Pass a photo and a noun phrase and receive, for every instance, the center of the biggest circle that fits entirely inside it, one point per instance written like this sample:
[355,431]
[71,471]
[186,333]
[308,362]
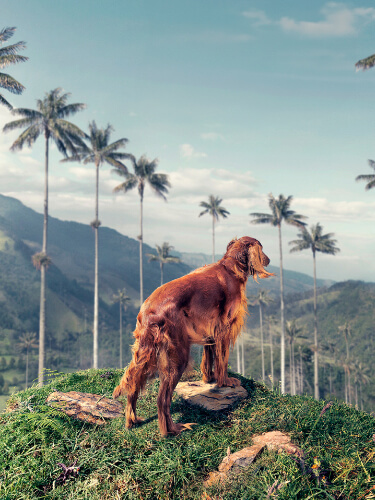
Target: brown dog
[205,307]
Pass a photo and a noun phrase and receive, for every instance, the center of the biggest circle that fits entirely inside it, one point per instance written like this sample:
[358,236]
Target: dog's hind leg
[171,367]
[142,367]
[207,363]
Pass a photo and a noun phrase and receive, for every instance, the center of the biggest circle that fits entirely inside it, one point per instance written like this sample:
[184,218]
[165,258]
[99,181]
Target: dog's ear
[257,261]
[231,243]
[238,251]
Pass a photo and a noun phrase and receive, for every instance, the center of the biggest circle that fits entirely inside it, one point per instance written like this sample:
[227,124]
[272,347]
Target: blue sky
[238,99]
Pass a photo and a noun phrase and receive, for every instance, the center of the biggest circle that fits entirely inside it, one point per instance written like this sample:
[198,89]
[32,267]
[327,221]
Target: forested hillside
[346,319]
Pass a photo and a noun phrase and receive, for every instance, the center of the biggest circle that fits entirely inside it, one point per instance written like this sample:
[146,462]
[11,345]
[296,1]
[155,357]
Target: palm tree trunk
[316,364]
[346,387]
[96,285]
[243,355]
[42,313]
[213,239]
[261,339]
[349,388]
[301,368]
[282,353]
[238,357]
[161,274]
[121,334]
[271,355]
[27,368]
[294,390]
[290,369]
[141,254]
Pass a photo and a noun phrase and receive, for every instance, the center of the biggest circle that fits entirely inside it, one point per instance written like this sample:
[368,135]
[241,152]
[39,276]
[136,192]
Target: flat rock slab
[210,396]
[91,408]
[234,462]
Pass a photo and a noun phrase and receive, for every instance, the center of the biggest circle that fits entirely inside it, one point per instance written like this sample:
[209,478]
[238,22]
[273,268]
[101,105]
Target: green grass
[139,464]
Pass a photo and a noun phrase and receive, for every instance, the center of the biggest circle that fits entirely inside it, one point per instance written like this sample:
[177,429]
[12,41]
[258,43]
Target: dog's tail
[142,367]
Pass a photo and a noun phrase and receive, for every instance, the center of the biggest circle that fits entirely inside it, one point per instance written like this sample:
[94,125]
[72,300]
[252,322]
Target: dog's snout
[265,260]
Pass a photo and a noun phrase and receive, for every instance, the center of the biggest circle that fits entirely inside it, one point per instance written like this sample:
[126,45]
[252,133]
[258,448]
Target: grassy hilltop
[115,463]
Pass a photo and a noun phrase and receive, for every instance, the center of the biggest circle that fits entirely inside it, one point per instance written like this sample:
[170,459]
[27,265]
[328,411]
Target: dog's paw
[232,382]
[176,429]
[117,392]
[133,421]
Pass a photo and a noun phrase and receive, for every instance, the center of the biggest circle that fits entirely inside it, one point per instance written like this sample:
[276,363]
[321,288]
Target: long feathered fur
[206,307]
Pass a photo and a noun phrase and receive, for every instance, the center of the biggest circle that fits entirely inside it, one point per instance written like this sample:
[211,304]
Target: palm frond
[7,33]
[299,245]
[367,63]
[71,109]
[5,103]
[8,59]
[9,83]
[28,136]
[24,122]
[260,218]
[110,148]
[114,162]
[28,113]
[128,185]
[369,178]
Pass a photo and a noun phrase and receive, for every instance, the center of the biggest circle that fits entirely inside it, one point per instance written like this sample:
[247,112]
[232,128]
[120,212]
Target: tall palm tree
[8,55]
[262,299]
[280,211]
[330,348]
[215,210]
[122,300]
[345,330]
[26,342]
[99,150]
[144,173]
[367,63]
[293,332]
[361,376]
[271,325]
[49,119]
[369,178]
[163,257]
[317,242]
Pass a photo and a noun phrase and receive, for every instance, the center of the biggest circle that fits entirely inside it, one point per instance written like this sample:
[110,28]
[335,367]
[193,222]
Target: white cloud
[187,151]
[189,185]
[211,136]
[337,211]
[338,20]
[258,17]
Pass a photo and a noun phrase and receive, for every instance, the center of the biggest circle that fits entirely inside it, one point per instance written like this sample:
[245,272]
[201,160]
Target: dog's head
[248,252]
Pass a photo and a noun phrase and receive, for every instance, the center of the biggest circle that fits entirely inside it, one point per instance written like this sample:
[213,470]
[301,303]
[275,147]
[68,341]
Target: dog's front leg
[221,364]
[207,363]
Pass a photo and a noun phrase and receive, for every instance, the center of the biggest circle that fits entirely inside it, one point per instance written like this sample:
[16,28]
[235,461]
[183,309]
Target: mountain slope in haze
[71,247]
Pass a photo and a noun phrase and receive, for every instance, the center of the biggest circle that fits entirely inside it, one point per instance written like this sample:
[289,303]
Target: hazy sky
[236,99]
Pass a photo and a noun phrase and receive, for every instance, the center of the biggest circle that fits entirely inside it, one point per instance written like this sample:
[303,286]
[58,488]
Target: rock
[234,462]
[92,408]
[210,396]
[277,440]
